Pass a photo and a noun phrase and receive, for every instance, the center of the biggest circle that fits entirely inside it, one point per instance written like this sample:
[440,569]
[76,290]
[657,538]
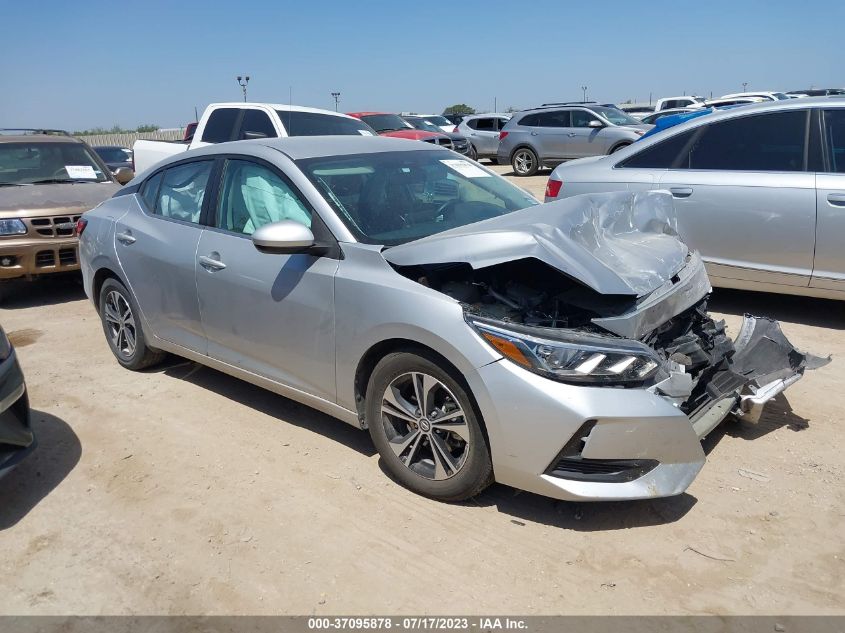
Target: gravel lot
[184,491]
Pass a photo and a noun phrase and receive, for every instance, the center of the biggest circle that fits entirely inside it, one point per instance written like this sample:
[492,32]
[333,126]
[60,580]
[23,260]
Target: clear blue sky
[82,64]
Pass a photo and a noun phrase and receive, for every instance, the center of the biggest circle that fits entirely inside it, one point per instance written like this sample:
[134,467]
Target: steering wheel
[445,209]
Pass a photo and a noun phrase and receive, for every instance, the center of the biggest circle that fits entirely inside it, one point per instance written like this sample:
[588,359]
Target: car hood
[71,198]
[618,243]
[416,135]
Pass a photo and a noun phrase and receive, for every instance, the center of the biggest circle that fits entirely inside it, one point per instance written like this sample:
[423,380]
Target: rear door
[829,266]
[746,200]
[555,138]
[156,244]
[484,135]
[270,314]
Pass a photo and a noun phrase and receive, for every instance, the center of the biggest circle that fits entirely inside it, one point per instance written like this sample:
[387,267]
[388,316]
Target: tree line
[116,129]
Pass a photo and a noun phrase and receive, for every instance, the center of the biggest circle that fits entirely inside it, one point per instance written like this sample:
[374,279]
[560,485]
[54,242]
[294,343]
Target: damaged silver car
[562,348]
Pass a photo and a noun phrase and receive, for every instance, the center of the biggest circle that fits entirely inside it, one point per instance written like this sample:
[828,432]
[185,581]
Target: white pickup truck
[223,122]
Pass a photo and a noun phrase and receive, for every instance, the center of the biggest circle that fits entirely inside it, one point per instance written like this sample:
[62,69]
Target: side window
[182,191]
[472,123]
[256,124]
[531,120]
[485,125]
[763,142]
[149,192]
[253,196]
[582,118]
[661,155]
[218,128]
[834,132]
[559,118]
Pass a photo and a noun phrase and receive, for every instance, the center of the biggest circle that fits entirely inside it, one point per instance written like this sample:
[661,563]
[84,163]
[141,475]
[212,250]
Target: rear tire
[437,450]
[493,160]
[525,162]
[472,154]
[122,326]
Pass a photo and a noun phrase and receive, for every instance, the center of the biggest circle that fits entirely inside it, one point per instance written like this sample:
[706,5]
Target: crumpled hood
[72,198]
[618,243]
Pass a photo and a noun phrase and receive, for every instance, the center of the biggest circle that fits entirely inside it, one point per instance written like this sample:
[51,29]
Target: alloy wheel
[523,162]
[120,323]
[425,426]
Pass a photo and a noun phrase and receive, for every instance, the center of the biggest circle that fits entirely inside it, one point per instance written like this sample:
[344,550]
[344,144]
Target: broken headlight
[570,356]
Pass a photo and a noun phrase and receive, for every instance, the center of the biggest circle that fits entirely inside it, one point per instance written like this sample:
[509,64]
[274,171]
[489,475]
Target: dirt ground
[184,491]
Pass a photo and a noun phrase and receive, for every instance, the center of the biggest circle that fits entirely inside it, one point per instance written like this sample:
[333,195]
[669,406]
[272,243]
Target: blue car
[671,120]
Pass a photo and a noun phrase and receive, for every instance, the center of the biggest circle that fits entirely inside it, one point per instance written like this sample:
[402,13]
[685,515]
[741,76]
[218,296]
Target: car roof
[38,138]
[285,107]
[477,115]
[366,113]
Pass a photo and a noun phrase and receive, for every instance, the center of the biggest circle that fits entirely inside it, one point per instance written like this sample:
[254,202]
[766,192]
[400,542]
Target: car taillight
[81,223]
[502,135]
[553,188]
[455,131]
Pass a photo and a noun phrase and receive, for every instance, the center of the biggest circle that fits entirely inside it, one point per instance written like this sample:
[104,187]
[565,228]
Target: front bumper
[16,437]
[599,444]
[27,257]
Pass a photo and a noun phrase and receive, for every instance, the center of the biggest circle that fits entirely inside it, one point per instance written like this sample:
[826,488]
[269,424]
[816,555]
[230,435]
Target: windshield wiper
[49,181]
[13,184]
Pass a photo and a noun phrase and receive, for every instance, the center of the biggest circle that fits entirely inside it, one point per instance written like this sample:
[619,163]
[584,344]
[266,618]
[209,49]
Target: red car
[388,124]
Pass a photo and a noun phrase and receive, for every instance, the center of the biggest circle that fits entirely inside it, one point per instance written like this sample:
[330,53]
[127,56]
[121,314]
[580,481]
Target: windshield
[114,154]
[779,96]
[30,163]
[395,197]
[423,124]
[386,122]
[438,120]
[615,116]
[318,124]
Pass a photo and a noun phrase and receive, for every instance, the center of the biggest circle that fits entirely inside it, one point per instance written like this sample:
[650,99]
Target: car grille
[443,141]
[44,259]
[64,256]
[58,226]
[607,470]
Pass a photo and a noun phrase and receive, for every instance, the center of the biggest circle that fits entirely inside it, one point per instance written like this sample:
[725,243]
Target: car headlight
[12,226]
[570,356]
[5,345]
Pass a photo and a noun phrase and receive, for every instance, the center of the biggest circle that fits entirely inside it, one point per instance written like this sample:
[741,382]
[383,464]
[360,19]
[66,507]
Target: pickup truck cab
[222,122]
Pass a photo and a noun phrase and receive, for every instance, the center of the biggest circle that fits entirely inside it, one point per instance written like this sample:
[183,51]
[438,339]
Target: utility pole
[584,91]
[336,96]
[242,82]
[744,85]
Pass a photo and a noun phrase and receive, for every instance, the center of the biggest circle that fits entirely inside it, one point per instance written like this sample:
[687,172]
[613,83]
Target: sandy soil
[182,490]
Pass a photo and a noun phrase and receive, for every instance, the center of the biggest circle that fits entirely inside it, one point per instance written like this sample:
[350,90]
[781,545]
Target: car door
[746,200]
[484,135]
[555,135]
[156,244]
[586,140]
[270,314]
[829,264]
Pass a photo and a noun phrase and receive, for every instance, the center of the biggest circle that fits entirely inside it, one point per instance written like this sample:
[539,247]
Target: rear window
[485,124]
[531,120]
[318,124]
[661,155]
[218,128]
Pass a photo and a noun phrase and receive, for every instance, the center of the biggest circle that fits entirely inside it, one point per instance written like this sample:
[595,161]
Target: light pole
[242,82]
[744,85]
[336,96]
[584,90]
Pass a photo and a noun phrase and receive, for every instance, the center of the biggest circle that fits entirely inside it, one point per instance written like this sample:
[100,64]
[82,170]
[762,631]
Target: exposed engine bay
[701,364]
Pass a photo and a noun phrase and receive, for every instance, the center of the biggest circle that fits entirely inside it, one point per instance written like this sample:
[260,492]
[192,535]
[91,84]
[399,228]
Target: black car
[115,156]
[16,437]
[459,142]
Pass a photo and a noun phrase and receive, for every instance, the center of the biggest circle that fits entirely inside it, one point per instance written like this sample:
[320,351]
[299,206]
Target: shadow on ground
[57,454]
[269,403]
[787,308]
[49,290]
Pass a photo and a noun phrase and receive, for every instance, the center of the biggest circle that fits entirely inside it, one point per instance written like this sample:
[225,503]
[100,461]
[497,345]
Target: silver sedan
[759,191]
[564,348]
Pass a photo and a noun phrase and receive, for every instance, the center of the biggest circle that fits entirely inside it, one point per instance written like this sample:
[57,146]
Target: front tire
[425,428]
[618,147]
[525,162]
[121,324]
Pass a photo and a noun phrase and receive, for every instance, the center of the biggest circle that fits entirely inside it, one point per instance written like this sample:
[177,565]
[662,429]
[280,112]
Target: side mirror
[284,237]
[123,175]
[595,123]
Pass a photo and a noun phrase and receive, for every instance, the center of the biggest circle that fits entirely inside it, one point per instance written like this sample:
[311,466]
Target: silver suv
[482,130]
[554,133]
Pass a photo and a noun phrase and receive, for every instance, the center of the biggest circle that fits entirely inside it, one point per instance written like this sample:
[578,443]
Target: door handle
[125,238]
[836,199]
[681,192]
[533,133]
[210,263]
[571,134]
